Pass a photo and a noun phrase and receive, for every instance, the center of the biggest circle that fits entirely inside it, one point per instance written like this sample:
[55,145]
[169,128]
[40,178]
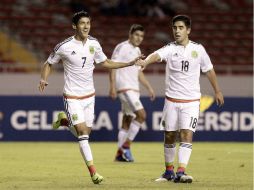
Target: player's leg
[134,128]
[189,113]
[169,124]
[62,120]
[122,135]
[169,156]
[184,154]
[81,115]
[133,107]
[83,137]
[123,132]
[127,99]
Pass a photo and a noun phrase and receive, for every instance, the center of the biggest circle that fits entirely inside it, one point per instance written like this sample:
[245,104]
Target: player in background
[124,82]
[184,60]
[78,54]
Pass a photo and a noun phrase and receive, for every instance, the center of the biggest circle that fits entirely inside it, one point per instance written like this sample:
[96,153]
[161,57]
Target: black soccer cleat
[168,175]
[182,177]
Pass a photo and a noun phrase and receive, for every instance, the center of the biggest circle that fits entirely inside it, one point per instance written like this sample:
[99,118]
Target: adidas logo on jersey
[73,53]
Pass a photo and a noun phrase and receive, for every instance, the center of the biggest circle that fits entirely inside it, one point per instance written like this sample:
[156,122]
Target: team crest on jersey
[194,54]
[91,49]
[75,117]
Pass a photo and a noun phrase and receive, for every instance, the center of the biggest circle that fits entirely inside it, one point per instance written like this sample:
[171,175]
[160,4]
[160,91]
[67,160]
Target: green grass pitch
[59,166]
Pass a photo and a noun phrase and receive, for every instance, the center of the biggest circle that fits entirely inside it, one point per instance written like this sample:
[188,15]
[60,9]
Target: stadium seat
[220,31]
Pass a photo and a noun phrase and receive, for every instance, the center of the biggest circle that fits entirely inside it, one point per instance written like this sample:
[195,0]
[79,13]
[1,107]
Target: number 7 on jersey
[84,61]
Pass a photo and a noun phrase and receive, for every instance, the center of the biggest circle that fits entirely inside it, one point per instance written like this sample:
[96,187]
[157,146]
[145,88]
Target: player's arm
[146,84]
[112,83]
[44,76]
[152,58]
[115,65]
[211,75]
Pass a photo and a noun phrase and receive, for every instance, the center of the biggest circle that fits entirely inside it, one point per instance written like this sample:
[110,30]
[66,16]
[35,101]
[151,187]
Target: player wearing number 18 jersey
[183,69]
[184,60]
[78,54]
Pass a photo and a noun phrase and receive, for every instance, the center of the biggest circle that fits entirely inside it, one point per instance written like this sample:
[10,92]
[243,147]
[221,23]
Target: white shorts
[130,102]
[178,116]
[80,110]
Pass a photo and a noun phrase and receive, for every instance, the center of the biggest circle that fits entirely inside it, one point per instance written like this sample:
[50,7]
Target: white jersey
[78,61]
[127,77]
[183,69]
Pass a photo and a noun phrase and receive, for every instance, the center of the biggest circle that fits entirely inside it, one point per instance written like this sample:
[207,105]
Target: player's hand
[135,61]
[112,93]
[219,98]
[42,85]
[141,63]
[152,95]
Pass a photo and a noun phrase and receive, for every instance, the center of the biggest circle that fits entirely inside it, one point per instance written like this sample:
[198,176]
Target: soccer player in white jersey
[184,60]
[125,83]
[78,54]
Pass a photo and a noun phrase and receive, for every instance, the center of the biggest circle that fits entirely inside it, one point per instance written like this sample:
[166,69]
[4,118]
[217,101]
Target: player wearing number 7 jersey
[184,60]
[78,55]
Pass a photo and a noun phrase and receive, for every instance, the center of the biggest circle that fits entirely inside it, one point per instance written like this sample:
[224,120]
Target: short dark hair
[136,27]
[76,17]
[184,18]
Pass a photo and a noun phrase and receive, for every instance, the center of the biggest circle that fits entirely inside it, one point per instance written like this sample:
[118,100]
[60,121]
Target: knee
[82,129]
[126,125]
[127,119]
[141,116]
[170,137]
[186,136]
[81,132]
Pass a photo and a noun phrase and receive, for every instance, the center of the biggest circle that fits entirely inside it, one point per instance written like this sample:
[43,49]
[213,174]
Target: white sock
[184,153]
[133,130]
[169,153]
[85,148]
[122,136]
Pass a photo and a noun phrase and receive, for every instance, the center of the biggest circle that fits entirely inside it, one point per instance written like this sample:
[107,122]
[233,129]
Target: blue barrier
[29,118]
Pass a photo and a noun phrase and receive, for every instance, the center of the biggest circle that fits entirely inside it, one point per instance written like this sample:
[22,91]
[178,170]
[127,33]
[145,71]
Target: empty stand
[226,34]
